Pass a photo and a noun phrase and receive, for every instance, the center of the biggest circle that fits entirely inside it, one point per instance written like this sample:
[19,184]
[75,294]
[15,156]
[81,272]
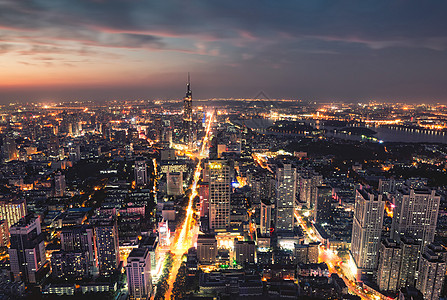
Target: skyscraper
[285,199]
[219,196]
[4,233]
[106,232]
[323,204]
[408,264]
[308,181]
[12,210]
[206,248]
[140,172]
[174,183]
[59,184]
[266,218]
[27,250]
[10,151]
[415,215]
[81,239]
[432,267]
[187,115]
[389,264]
[74,152]
[244,251]
[138,271]
[72,265]
[367,229]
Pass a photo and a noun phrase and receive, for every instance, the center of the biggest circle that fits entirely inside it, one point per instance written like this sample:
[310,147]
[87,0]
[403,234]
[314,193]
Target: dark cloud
[315,49]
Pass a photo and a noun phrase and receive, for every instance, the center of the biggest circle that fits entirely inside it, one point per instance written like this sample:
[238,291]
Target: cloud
[146,24]
[318,42]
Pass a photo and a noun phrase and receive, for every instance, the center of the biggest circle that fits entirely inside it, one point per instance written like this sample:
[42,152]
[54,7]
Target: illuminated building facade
[266,218]
[285,198]
[367,229]
[164,233]
[106,233]
[323,205]
[206,248]
[10,151]
[187,116]
[71,265]
[4,233]
[415,215]
[140,172]
[389,265]
[432,267]
[244,252]
[174,183]
[27,250]
[12,211]
[408,265]
[138,271]
[81,239]
[219,195]
[59,184]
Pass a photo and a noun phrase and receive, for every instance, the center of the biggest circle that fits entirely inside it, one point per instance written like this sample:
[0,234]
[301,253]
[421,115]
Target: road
[187,235]
[334,262]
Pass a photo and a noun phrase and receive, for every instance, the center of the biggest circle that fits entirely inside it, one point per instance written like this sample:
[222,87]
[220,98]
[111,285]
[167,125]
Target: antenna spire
[188,87]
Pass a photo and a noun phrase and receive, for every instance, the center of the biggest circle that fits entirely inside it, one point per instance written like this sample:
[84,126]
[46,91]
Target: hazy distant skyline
[311,50]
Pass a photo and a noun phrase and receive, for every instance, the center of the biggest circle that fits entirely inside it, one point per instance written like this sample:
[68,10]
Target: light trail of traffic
[184,239]
[332,259]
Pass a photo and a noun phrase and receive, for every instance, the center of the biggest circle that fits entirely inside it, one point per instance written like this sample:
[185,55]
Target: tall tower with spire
[187,115]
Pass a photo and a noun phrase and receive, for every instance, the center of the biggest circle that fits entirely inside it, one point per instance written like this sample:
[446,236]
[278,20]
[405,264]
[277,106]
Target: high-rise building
[74,152]
[390,255]
[138,271]
[410,293]
[4,233]
[244,251]
[12,210]
[132,135]
[206,248]
[263,185]
[204,192]
[219,196]
[53,146]
[187,115]
[408,264]
[71,265]
[305,189]
[27,250]
[387,185]
[307,253]
[263,189]
[81,239]
[323,205]
[106,233]
[415,215]
[164,234]
[174,183]
[168,154]
[140,172]
[10,151]
[308,181]
[432,267]
[266,218]
[285,200]
[59,184]
[367,229]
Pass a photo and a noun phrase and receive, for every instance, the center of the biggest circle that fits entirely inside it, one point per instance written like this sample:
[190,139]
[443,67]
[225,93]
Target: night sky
[59,50]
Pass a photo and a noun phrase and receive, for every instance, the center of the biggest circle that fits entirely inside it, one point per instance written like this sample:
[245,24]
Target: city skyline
[314,51]
[223,150]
